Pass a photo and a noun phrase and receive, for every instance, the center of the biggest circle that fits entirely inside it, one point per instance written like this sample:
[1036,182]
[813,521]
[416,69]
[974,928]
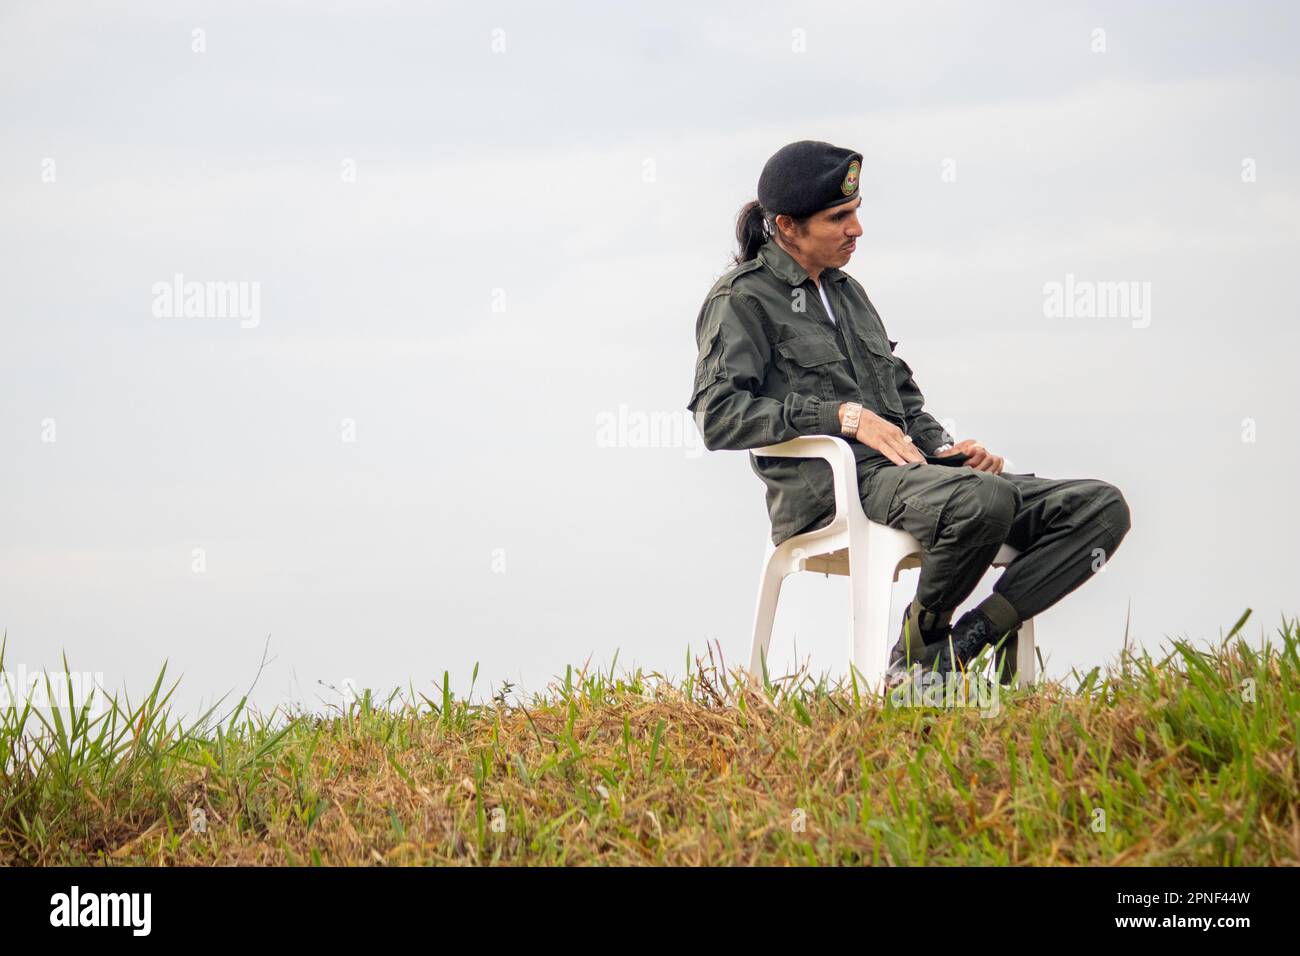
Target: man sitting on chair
[790,345]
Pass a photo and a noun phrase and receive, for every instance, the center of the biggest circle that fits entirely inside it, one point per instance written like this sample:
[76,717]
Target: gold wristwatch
[852,414]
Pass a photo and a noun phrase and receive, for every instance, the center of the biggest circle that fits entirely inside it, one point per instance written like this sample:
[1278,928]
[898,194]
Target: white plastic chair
[871,554]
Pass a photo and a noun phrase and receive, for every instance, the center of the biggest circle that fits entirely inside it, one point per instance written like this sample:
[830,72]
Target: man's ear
[787,227]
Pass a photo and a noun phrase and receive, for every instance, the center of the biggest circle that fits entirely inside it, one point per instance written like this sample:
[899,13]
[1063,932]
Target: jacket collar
[785,268]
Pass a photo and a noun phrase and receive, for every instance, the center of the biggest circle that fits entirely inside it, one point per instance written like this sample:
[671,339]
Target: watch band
[852,416]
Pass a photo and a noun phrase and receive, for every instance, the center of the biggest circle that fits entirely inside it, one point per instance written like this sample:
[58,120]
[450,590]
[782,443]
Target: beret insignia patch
[850,179]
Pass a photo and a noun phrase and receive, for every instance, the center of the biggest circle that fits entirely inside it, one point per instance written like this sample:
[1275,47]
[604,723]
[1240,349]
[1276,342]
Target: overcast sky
[475,232]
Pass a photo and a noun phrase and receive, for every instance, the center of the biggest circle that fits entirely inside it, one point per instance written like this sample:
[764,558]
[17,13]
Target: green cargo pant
[1064,529]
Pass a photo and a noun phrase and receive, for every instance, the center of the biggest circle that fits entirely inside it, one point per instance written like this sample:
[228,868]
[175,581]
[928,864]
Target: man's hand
[885,437]
[981,459]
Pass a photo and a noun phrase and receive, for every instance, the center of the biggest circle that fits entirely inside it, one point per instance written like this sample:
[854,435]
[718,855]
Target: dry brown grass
[1190,759]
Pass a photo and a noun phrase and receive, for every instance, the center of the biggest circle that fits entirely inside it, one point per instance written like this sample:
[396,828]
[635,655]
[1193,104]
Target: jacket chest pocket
[810,361]
[881,356]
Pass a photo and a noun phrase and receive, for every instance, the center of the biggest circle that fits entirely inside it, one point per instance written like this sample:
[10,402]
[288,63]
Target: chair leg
[871,580]
[769,592]
[1026,662]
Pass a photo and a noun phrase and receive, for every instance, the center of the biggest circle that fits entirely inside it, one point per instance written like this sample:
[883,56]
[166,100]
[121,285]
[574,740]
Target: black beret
[807,177]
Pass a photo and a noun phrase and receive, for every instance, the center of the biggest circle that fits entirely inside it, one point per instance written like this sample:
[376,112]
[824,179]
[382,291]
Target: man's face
[830,236]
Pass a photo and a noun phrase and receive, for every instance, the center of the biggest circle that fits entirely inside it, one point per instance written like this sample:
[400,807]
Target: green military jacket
[773,365]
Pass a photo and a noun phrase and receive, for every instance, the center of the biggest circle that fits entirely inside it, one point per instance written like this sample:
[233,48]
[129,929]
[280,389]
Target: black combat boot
[971,634]
[916,645]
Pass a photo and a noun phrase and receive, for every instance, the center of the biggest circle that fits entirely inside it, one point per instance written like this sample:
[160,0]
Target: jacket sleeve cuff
[828,418]
[930,438]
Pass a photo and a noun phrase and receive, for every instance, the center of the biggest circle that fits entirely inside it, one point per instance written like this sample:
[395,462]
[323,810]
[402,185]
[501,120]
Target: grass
[1185,759]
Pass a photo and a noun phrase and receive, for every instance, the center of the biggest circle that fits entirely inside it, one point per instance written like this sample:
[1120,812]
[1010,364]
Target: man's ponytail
[753,227]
